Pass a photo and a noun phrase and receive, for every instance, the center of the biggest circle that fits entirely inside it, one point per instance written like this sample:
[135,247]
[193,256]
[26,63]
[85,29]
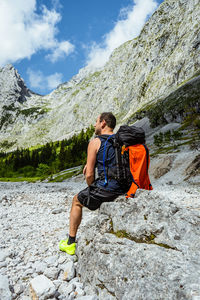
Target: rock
[194,167]
[75,280]
[65,289]
[58,211]
[5,292]
[90,297]
[69,271]
[3,255]
[51,273]
[62,259]
[79,292]
[40,267]
[57,283]
[141,248]
[78,285]
[52,261]
[3,264]
[41,287]
[163,166]
[18,289]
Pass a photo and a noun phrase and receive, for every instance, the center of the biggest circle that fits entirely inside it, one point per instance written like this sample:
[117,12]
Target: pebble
[58,211]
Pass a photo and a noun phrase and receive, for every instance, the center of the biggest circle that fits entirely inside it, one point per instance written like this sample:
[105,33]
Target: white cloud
[38,80]
[23,32]
[54,80]
[134,18]
[63,49]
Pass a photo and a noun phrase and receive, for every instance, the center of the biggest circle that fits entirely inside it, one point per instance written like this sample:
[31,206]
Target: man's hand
[93,148]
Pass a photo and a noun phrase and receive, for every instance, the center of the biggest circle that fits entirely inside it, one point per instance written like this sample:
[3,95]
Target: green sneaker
[70,249]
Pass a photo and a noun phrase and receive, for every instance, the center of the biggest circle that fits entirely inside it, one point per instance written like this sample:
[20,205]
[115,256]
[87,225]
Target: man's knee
[76,202]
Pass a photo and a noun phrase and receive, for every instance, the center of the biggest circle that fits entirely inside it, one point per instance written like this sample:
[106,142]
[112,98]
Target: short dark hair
[109,118]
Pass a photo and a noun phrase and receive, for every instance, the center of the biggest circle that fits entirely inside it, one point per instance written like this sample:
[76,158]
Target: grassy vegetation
[150,239]
[75,93]
[21,179]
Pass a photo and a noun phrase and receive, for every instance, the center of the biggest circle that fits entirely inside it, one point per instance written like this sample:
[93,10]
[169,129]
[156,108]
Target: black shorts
[93,196]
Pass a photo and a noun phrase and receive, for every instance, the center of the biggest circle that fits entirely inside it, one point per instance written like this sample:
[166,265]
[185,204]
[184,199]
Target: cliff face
[142,71]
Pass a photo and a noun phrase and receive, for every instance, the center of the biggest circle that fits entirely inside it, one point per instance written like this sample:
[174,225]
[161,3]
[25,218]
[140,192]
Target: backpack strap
[147,156]
[104,159]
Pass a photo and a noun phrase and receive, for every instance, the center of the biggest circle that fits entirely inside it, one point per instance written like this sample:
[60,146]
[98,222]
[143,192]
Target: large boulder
[142,248]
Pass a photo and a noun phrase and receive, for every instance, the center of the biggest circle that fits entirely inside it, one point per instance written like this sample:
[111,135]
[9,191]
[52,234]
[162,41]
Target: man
[100,190]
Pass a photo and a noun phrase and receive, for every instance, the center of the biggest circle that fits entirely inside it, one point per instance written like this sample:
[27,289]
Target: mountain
[140,75]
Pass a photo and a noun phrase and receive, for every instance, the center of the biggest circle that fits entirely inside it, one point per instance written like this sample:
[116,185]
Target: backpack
[132,160]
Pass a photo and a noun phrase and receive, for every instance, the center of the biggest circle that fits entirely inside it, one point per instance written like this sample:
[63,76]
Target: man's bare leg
[75,216]
[69,245]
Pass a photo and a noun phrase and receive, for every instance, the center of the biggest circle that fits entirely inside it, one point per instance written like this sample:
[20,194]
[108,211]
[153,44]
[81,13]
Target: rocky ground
[34,217]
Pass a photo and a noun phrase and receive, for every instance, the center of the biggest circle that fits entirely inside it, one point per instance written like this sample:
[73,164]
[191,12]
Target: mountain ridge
[139,72]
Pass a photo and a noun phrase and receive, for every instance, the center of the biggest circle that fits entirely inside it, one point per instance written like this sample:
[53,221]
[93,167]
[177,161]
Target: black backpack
[125,136]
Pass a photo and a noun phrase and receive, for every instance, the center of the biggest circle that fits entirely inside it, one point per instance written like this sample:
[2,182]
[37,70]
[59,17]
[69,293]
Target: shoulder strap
[147,156]
[104,158]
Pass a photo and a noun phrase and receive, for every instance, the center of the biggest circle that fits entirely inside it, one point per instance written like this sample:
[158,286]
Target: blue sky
[49,41]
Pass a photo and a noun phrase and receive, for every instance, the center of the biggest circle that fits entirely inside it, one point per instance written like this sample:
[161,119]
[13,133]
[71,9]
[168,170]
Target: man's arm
[89,169]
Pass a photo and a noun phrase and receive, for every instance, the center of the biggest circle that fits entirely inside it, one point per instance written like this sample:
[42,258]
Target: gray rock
[79,292]
[3,255]
[42,287]
[29,272]
[90,297]
[141,248]
[58,211]
[75,280]
[78,285]
[66,289]
[69,271]
[40,267]
[51,273]
[3,264]
[5,292]
[62,259]
[57,283]
[52,261]
[18,289]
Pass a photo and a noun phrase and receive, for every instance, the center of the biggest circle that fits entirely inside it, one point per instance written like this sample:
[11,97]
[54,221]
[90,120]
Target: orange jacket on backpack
[139,164]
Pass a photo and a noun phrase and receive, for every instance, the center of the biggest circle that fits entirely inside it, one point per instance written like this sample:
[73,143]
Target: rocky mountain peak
[12,86]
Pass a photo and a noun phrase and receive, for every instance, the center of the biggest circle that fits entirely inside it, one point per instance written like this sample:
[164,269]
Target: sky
[49,41]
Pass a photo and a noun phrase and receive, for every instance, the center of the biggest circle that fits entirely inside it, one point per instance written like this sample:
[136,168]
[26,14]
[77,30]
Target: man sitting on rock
[98,191]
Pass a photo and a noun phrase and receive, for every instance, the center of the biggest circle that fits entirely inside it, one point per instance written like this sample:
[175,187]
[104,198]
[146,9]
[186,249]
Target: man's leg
[69,245]
[75,216]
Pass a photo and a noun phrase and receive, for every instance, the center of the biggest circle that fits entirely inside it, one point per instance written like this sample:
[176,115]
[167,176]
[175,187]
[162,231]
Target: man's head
[105,120]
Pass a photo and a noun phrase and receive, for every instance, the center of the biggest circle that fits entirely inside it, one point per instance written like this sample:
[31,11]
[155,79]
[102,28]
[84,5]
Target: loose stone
[69,271]
[41,287]
[5,292]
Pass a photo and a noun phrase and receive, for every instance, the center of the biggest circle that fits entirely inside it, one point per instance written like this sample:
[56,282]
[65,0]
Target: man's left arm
[91,160]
